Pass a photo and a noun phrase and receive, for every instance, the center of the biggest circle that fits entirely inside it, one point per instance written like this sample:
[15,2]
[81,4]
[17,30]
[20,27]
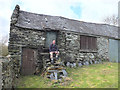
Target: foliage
[112,20]
[4,50]
[4,46]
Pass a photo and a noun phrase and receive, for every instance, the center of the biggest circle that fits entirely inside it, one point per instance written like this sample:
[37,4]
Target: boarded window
[88,43]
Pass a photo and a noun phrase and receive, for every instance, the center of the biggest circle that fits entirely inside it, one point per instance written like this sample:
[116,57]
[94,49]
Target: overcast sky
[83,10]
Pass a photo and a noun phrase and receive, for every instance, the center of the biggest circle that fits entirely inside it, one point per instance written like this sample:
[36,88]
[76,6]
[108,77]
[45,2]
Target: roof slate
[41,22]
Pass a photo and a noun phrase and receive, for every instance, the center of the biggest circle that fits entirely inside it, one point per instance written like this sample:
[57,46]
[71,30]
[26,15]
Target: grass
[93,76]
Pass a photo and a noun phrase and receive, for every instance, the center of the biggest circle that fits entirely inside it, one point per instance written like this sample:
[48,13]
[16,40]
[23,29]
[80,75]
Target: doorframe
[51,30]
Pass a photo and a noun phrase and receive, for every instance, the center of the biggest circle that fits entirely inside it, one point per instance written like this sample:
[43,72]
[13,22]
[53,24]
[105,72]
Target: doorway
[29,57]
[50,36]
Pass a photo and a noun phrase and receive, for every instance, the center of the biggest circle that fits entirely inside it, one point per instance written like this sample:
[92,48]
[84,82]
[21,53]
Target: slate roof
[40,22]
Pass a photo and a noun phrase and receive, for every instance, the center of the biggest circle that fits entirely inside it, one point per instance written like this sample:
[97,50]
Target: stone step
[44,53]
[61,75]
[55,68]
[47,60]
[48,63]
[48,73]
[57,63]
[51,71]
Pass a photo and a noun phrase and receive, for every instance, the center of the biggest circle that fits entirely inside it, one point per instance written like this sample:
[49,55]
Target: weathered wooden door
[28,61]
[49,37]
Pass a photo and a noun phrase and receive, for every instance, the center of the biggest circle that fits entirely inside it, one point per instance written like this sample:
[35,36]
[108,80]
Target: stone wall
[69,46]
[19,38]
[103,46]
[61,45]
[72,45]
[7,78]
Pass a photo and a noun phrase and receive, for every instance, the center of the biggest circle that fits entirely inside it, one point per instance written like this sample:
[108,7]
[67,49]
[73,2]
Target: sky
[83,10]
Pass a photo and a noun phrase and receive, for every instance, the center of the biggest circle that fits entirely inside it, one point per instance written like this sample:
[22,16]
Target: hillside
[93,76]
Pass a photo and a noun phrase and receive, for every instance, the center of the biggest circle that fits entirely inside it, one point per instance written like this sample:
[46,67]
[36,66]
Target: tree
[112,20]
[3,46]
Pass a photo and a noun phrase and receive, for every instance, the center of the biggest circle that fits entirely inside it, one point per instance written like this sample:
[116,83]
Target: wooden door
[28,61]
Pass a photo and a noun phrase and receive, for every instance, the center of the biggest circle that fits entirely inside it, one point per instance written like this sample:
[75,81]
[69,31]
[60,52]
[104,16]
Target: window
[50,35]
[88,43]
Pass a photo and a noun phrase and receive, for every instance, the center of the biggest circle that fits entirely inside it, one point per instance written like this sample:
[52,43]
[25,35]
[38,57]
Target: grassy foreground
[93,76]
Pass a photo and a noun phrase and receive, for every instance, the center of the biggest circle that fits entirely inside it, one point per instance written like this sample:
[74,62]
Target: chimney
[15,15]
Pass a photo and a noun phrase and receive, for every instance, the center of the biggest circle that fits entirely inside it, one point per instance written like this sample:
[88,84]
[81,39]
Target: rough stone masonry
[30,30]
[75,40]
[7,75]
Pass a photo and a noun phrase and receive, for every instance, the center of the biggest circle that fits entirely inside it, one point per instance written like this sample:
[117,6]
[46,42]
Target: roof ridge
[68,18]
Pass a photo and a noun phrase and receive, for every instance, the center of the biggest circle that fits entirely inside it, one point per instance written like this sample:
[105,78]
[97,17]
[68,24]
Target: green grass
[93,76]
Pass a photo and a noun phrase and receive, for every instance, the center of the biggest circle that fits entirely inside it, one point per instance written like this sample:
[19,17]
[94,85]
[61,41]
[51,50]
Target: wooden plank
[88,43]
[94,43]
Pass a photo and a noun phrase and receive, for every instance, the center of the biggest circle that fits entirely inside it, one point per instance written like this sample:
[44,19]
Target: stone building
[78,41]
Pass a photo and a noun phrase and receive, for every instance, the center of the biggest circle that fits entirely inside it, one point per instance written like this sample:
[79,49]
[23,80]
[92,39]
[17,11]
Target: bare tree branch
[3,46]
[4,40]
[112,20]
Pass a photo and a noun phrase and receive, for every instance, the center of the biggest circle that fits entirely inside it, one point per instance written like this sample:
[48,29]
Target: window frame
[86,45]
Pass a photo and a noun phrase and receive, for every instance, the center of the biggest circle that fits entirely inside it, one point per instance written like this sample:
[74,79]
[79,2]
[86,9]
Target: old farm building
[78,42]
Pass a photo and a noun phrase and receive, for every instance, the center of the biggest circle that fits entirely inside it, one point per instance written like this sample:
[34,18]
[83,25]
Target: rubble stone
[79,64]
[7,76]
